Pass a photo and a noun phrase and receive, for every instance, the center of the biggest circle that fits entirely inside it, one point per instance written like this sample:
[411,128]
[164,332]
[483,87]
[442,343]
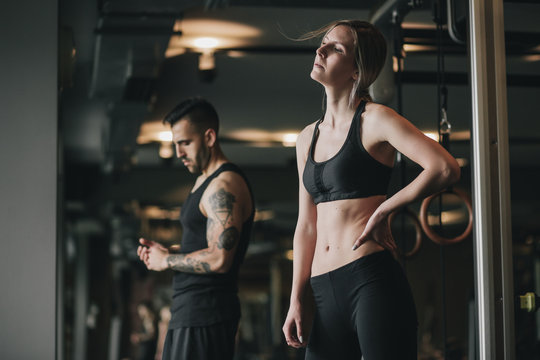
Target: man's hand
[153,254]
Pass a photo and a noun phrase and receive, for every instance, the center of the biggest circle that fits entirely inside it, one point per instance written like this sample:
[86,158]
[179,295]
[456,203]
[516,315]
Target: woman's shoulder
[304,137]
[379,120]
[379,115]
[307,132]
[376,110]
[309,128]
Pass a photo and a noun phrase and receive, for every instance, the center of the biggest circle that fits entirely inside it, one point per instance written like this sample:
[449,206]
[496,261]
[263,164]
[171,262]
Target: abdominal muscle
[339,224]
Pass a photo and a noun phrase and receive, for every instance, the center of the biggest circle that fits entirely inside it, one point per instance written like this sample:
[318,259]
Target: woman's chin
[316,76]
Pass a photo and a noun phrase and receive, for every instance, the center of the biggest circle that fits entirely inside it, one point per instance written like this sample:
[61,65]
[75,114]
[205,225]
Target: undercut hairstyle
[370,53]
[198,111]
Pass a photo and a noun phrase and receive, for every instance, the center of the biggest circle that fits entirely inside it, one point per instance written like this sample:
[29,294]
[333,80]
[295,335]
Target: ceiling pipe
[385,17]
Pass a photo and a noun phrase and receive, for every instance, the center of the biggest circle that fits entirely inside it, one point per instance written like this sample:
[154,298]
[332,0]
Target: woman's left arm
[440,169]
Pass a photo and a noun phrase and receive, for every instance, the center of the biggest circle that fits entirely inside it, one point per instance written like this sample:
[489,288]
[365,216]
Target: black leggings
[364,308]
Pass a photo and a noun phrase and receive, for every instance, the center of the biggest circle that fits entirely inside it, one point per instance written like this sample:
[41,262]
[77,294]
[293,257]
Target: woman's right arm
[303,247]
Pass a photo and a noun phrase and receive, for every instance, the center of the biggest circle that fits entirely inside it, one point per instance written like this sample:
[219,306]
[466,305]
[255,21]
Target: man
[216,217]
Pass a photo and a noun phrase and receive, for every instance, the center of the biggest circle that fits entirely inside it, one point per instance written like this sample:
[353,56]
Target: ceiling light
[264,138]
[532,58]
[154,131]
[205,43]
[463,135]
[289,139]
[418,48]
[165,136]
[207,61]
[172,52]
[158,213]
[462,162]
[460,135]
[289,255]
[397,64]
[448,217]
[166,150]
[226,34]
[263,215]
[236,53]
[432,135]
[417,25]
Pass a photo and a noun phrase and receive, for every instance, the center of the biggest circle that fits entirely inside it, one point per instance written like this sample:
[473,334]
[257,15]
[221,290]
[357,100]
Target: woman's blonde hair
[369,55]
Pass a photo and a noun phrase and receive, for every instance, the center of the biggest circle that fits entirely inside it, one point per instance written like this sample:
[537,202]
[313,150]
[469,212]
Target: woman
[146,337]
[342,242]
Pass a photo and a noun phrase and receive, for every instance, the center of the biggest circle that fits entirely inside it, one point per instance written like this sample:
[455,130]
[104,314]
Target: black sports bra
[350,174]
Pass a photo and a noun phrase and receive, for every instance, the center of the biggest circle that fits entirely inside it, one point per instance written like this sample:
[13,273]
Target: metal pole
[81,298]
[505,215]
[275,300]
[491,183]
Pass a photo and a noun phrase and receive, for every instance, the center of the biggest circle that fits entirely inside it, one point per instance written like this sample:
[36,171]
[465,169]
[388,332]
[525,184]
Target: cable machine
[421,223]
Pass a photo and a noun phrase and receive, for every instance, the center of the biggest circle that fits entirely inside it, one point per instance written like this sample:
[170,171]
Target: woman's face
[334,61]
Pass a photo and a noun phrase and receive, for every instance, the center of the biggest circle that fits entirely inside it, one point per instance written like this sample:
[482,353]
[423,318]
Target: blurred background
[124,64]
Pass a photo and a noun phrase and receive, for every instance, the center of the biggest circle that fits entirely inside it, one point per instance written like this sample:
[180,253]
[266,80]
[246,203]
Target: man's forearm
[217,258]
[189,264]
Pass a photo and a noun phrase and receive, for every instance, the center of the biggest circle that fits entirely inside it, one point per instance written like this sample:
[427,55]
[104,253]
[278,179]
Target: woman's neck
[338,106]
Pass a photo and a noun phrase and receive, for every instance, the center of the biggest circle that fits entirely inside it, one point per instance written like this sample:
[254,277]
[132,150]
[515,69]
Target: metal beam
[388,15]
[491,184]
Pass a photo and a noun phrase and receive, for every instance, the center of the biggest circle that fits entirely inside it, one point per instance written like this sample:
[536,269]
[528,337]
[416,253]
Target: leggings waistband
[383,255]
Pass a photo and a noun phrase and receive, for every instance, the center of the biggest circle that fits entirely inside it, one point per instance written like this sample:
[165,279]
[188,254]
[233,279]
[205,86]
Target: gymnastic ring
[432,235]
[418,228]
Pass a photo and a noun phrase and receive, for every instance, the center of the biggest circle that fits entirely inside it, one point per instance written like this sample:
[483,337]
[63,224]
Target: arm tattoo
[182,263]
[228,238]
[222,205]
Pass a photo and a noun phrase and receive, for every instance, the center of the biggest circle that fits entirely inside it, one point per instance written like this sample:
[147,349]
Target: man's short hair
[198,111]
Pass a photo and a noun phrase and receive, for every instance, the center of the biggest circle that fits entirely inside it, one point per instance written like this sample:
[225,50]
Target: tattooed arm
[227,204]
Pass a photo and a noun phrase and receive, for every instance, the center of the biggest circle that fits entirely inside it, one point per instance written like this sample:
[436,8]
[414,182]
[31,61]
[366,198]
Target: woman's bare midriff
[339,224]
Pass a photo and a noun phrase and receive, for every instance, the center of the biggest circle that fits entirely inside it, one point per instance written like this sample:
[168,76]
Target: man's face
[190,146]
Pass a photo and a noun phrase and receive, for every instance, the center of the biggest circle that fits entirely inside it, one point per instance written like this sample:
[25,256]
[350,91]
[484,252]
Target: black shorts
[364,308]
[213,342]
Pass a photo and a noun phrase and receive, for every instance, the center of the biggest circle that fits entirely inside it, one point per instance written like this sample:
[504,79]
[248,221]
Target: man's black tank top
[205,299]
[350,174]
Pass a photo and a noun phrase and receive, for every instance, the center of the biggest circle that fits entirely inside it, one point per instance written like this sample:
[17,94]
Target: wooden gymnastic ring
[432,235]
[418,228]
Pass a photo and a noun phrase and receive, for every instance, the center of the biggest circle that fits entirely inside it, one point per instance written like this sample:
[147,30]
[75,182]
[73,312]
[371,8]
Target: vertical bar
[537,288]
[491,183]
[275,300]
[60,270]
[60,251]
[115,338]
[81,298]
[505,215]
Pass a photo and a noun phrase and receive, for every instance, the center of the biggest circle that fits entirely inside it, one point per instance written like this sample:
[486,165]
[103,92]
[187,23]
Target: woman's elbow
[451,173]
[305,231]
